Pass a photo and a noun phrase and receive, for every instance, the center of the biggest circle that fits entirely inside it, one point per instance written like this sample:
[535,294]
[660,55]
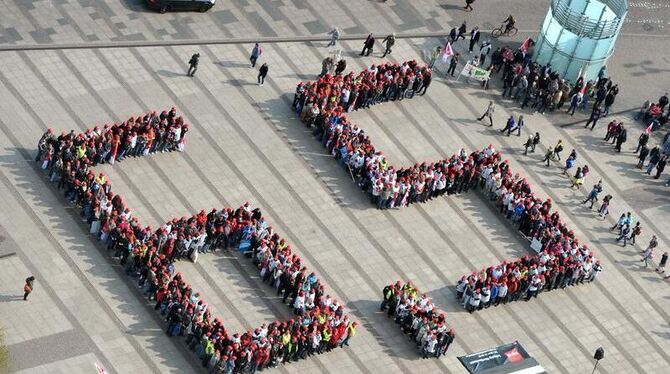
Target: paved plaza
[246,144]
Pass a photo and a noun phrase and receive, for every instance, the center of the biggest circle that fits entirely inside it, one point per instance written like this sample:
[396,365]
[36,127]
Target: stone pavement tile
[341,221]
[23,321]
[85,308]
[79,364]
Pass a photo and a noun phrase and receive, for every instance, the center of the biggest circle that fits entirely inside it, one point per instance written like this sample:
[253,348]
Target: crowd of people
[655,114]
[561,259]
[149,255]
[533,85]
[137,136]
[323,105]
[655,117]
[418,318]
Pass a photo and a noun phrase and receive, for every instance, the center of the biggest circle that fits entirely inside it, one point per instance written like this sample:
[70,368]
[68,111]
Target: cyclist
[509,24]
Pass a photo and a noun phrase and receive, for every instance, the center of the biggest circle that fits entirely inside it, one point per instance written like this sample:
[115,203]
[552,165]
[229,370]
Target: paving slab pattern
[247,145]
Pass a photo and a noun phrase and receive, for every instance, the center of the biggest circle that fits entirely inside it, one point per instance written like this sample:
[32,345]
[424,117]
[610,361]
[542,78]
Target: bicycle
[502,30]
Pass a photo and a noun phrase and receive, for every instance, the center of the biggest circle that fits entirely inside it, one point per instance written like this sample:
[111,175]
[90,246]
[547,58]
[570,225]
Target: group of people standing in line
[561,259]
[323,105]
[418,318]
[149,255]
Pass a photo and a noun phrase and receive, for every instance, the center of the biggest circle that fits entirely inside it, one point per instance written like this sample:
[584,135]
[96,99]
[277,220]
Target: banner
[474,72]
[448,52]
[503,359]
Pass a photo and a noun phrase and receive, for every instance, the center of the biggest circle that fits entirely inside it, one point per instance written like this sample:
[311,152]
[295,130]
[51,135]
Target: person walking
[28,287]
[389,41]
[256,53]
[461,31]
[452,64]
[536,141]
[578,179]
[661,265]
[334,36]
[603,211]
[644,152]
[647,255]
[609,101]
[193,64]
[593,195]
[520,123]
[488,113]
[635,232]
[351,332]
[474,38]
[527,144]
[660,167]
[468,5]
[368,45]
[642,141]
[549,155]
[596,113]
[558,148]
[575,100]
[511,123]
[625,231]
[452,34]
[654,158]
[262,73]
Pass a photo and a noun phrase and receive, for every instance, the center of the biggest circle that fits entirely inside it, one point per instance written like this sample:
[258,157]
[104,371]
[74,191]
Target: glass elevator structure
[577,36]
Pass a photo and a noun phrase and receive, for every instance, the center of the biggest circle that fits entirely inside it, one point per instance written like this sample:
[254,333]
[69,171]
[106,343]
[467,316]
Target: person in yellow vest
[100,179]
[325,339]
[81,151]
[351,332]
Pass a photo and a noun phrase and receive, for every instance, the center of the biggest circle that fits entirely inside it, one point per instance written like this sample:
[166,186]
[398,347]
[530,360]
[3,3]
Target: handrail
[582,25]
[619,7]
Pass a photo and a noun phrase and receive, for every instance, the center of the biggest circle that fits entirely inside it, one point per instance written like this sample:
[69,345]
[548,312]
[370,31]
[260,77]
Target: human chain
[137,136]
[418,318]
[561,260]
[148,255]
[323,104]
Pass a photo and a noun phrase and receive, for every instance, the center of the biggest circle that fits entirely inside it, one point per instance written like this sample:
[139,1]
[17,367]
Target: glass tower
[579,36]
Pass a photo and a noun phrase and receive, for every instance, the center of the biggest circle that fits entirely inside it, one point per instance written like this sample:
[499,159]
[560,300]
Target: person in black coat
[262,73]
[461,31]
[474,38]
[193,64]
[644,152]
[427,78]
[595,116]
[341,65]
[621,138]
[452,34]
[642,141]
[368,45]
[452,64]
[609,100]
[660,167]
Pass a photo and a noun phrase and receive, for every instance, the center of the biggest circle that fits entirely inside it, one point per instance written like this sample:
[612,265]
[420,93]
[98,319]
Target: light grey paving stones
[246,144]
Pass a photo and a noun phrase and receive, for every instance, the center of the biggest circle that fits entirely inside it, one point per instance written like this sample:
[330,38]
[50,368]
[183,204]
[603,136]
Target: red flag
[448,52]
[526,44]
